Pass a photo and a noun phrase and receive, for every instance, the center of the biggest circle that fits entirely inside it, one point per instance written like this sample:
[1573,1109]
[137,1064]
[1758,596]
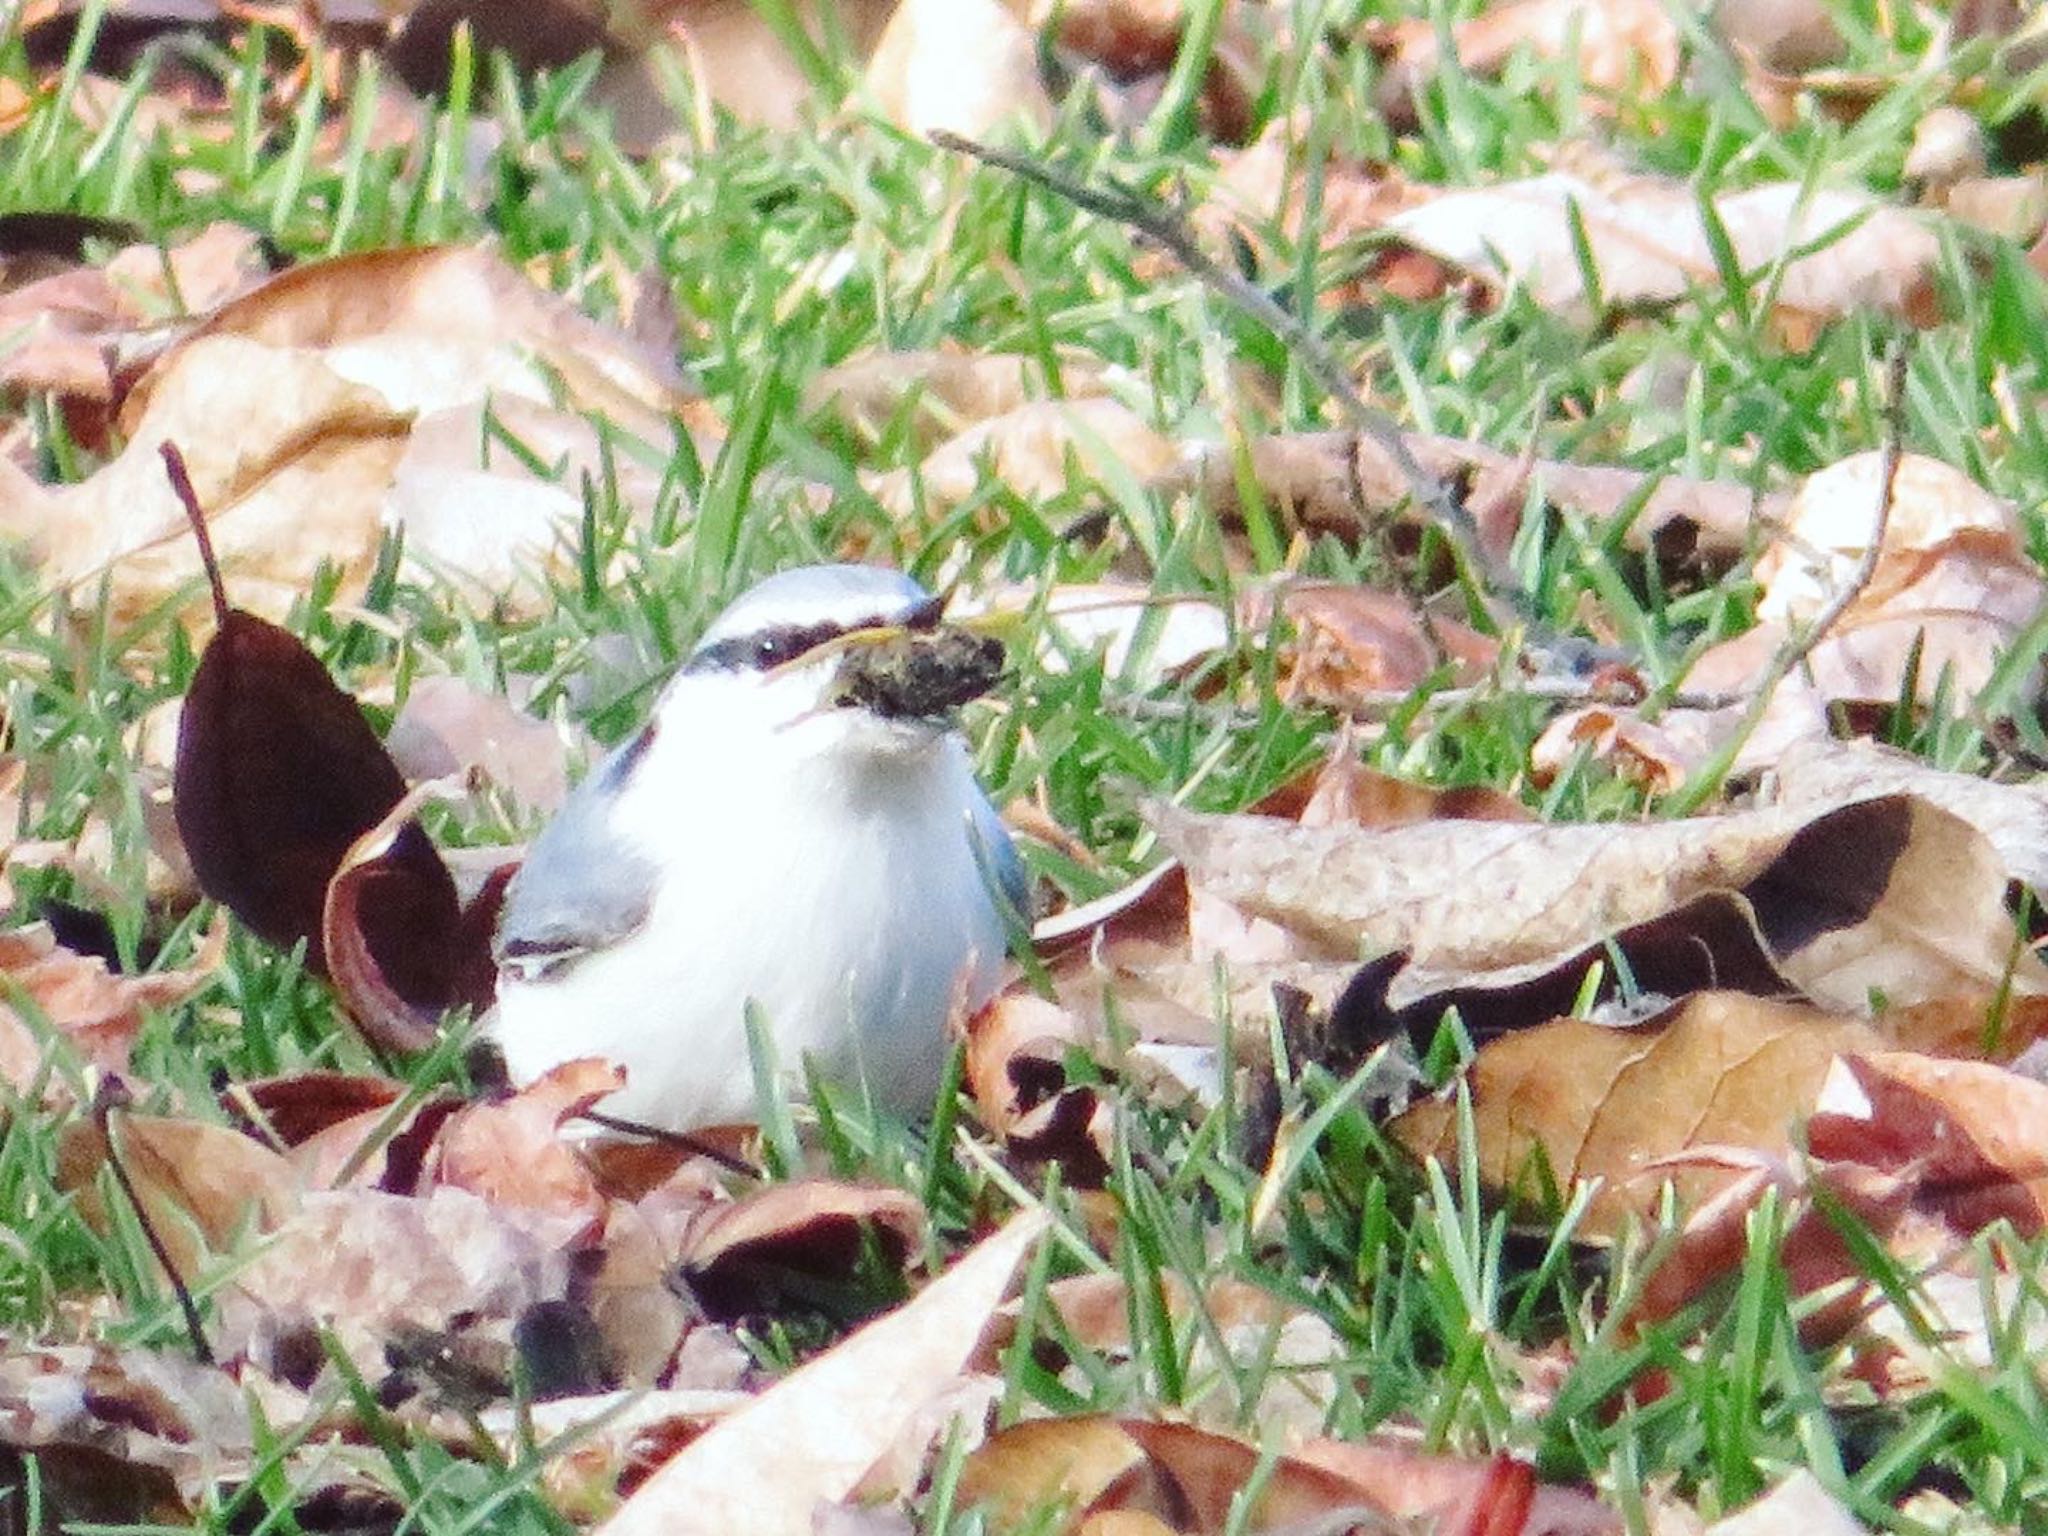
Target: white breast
[826,877]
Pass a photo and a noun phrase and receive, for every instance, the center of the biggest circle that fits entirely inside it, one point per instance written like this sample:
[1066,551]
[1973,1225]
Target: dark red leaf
[277,775]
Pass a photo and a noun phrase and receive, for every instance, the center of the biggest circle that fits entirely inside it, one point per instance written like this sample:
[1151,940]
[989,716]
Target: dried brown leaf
[1624,49]
[79,999]
[399,945]
[1968,1139]
[943,392]
[2013,817]
[201,1186]
[734,1251]
[510,1151]
[810,1438]
[1890,896]
[1607,1103]
[446,726]
[430,327]
[1352,642]
[1455,1491]
[1841,251]
[133,1418]
[331,1264]
[1035,450]
[299,480]
[1347,486]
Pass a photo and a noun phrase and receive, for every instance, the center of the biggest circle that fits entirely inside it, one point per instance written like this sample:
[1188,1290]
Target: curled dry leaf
[1968,1139]
[1658,754]
[1937,517]
[323,370]
[435,326]
[734,1251]
[331,1124]
[811,1437]
[2012,817]
[1890,897]
[1352,642]
[77,333]
[1461,1493]
[1105,1472]
[1342,791]
[397,941]
[1016,1047]
[1606,1104]
[510,1151]
[297,482]
[78,999]
[1952,588]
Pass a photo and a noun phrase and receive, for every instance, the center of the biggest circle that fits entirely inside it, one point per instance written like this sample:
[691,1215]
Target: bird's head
[850,655]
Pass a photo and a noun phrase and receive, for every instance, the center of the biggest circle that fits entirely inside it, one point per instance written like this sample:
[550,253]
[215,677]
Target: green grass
[786,254]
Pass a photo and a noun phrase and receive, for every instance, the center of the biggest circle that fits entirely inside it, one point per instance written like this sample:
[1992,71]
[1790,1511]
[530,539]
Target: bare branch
[1165,228]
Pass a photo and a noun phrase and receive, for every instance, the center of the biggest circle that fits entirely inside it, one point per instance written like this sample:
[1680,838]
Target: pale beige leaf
[296,481]
[809,1439]
[438,326]
[1893,896]
[1648,244]
[448,726]
[2014,817]
[1034,450]
[1936,514]
[944,392]
[967,66]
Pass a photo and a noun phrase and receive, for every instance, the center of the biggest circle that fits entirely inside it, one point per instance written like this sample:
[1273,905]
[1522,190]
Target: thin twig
[112,1095]
[1567,691]
[1165,228]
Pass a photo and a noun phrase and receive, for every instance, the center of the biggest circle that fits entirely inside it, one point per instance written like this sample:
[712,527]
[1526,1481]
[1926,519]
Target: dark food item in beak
[918,676]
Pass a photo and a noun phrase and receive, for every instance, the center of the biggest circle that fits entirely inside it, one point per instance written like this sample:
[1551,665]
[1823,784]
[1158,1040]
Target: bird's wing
[1000,865]
[582,888]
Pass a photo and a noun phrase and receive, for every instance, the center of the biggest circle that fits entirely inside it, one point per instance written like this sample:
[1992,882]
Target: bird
[796,830]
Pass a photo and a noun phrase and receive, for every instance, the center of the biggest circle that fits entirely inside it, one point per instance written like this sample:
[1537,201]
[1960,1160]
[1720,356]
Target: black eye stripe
[780,644]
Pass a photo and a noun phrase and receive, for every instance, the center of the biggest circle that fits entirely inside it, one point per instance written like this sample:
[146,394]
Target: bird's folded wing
[581,890]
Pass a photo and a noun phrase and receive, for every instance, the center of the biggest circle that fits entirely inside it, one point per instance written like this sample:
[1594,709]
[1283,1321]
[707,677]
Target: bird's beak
[915,671]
